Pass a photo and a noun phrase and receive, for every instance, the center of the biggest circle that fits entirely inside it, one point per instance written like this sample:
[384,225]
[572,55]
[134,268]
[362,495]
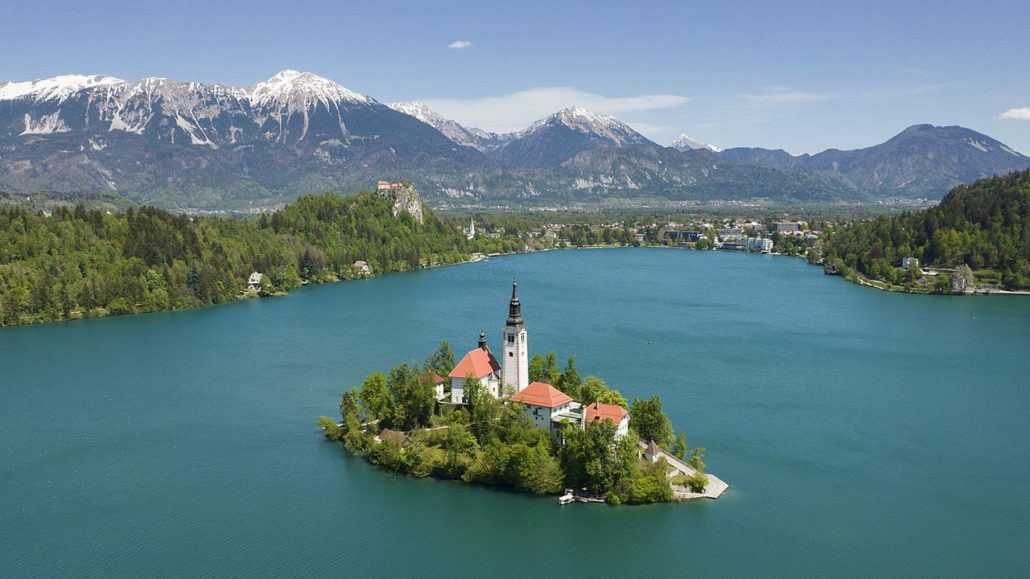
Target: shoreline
[862,281]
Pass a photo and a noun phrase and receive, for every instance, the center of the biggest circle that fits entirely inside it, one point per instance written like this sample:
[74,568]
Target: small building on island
[652,453]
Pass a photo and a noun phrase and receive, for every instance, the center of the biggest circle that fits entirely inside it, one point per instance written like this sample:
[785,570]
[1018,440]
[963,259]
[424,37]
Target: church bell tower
[515,371]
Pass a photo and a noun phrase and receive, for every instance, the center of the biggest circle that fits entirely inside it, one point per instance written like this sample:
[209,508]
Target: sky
[803,76]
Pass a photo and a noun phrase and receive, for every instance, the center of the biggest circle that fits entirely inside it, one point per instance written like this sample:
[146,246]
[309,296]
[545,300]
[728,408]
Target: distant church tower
[515,373]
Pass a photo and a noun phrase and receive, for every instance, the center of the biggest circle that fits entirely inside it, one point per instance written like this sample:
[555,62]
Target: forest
[75,263]
[983,225]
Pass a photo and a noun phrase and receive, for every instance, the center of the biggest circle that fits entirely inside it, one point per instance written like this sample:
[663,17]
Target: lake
[862,433]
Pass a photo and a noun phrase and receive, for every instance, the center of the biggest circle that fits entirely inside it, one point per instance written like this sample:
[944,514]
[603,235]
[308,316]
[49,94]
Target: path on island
[716,487]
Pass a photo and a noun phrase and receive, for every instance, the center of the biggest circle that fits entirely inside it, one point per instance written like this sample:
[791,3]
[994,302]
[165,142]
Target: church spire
[514,306]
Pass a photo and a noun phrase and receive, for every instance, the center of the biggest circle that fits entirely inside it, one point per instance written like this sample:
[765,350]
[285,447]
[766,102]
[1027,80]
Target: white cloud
[460,44]
[515,111]
[1020,114]
[782,97]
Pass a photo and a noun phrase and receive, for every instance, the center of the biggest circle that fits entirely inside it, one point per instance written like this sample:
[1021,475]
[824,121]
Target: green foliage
[459,447]
[697,482]
[569,382]
[84,263]
[649,422]
[412,398]
[331,429]
[442,360]
[483,409]
[594,389]
[984,225]
[594,458]
[374,396]
[544,369]
[696,459]
[646,483]
[679,448]
[349,404]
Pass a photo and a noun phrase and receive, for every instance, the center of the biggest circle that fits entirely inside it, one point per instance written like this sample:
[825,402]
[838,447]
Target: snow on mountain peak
[420,111]
[586,121]
[302,88]
[685,142]
[58,87]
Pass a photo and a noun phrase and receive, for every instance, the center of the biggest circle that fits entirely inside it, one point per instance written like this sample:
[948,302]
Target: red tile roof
[598,411]
[541,394]
[479,363]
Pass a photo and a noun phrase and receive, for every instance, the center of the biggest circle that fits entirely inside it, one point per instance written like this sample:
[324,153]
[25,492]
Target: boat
[566,499]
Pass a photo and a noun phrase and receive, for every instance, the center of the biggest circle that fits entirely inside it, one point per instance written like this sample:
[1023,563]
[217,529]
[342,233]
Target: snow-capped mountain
[464,136]
[189,144]
[286,108]
[685,142]
[550,141]
[154,137]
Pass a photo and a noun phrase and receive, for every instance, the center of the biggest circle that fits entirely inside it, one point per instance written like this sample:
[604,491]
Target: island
[520,423]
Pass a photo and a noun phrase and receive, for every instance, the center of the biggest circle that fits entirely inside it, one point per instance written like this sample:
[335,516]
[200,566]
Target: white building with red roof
[547,407]
[479,364]
[617,414]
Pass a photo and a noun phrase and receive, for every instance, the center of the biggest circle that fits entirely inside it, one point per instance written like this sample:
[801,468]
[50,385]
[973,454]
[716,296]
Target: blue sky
[803,76]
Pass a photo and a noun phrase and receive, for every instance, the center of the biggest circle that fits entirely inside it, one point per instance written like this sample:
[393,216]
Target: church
[504,378]
[546,406]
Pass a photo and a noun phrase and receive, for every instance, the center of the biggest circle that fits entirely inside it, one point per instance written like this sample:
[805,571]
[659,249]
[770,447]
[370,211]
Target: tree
[459,447]
[349,405]
[330,428]
[442,360]
[412,398]
[544,369]
[374,396]
[569,382]
[679,448]
[594,389]
[483,408]
[594,458]
[647,420]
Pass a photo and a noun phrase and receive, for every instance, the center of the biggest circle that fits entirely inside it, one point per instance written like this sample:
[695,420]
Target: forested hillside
[984,225]
[80,263]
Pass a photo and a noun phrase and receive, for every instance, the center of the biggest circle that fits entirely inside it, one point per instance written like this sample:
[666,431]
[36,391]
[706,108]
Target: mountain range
[207,146]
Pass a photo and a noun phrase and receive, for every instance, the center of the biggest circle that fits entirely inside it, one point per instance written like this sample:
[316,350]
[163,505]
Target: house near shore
[361,268]
[254,281]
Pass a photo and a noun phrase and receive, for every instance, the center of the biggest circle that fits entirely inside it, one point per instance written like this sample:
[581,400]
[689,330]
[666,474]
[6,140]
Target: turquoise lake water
[862,433]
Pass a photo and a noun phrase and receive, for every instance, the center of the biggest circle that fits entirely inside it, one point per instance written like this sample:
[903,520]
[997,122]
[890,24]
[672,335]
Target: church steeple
[515,364]
[514,306]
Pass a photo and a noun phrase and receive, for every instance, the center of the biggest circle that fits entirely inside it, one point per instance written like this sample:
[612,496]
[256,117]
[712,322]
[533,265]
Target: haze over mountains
[192,145]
